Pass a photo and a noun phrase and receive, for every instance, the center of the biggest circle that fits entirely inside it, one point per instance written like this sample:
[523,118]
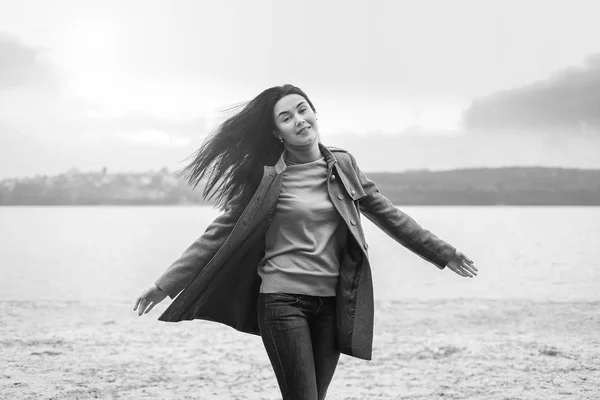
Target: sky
[137,85]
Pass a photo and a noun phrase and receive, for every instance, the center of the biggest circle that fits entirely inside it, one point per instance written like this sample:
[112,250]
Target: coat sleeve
[198,254]
[400,226]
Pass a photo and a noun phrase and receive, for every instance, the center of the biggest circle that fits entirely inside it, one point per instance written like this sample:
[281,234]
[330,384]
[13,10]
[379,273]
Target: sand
[458,349]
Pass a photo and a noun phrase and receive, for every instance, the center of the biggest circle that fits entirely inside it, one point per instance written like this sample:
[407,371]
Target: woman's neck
[303,155]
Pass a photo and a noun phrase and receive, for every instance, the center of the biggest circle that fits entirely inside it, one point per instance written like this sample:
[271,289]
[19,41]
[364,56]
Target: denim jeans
[299,334]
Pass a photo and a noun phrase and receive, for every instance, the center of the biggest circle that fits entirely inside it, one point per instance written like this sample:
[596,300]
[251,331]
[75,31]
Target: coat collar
[281,166]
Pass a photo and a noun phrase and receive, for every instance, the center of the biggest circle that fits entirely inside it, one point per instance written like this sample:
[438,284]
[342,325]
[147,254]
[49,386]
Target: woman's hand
[148,299]
[462,265]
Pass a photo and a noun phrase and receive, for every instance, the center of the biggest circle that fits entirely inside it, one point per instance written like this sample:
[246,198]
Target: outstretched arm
[198,254]
[189,264]
[405,230]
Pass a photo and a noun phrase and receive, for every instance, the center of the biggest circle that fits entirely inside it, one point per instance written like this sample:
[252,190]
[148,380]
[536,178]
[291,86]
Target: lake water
[111,253]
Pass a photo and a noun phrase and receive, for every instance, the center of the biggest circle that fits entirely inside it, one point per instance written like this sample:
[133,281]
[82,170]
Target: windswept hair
[233,157]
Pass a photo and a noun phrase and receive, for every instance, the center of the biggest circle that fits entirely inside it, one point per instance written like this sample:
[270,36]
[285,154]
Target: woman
[287,259]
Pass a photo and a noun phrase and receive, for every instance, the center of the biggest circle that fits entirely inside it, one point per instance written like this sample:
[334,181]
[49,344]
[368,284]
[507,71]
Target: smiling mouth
[303,130]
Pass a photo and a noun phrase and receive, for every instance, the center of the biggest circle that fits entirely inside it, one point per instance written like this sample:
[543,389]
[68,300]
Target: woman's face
[295,122]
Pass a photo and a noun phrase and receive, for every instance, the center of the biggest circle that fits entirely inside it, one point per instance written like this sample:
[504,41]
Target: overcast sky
[136,85]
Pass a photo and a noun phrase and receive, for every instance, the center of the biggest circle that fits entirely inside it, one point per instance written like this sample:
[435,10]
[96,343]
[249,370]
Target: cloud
[568,101]
[143,124]
[155,137]
[56,141]
[23,66]
[442,151]
[44,129]
[130,142]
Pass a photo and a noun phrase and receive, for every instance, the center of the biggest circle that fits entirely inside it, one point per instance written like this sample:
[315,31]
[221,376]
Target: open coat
[216,277]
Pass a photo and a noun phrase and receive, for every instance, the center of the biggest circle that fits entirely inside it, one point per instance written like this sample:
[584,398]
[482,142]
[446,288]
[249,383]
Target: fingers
[470,263]
[471,269]
[150,308]
[142,307]
[464,270]
[145,306]
[467,272]
[137,302]
[467,266]
[148,299]
[461,272]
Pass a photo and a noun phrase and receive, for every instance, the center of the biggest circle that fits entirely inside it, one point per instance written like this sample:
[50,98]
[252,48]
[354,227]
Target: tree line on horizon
[473,186]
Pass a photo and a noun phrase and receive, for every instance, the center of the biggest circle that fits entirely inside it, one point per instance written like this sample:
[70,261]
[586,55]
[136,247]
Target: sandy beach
[456,349]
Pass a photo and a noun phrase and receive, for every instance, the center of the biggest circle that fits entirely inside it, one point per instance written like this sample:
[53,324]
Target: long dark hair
[233,156]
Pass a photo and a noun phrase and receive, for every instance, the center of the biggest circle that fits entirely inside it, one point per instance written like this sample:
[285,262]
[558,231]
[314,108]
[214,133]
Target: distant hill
[99,188]
[492,186]
[476,186]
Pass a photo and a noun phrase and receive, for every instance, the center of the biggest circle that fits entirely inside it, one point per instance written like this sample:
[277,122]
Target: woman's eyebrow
[287,112]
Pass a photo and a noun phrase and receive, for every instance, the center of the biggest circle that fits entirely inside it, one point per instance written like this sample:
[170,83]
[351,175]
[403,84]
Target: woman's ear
[277,136]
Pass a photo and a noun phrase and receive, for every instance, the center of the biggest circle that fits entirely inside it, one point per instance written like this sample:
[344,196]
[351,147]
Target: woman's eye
[302,111]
